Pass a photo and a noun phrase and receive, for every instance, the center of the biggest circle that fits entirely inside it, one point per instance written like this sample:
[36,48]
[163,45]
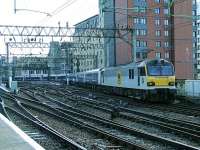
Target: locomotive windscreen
[160,68]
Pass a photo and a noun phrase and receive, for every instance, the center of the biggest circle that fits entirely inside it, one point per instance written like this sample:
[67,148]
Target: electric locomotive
[149,80]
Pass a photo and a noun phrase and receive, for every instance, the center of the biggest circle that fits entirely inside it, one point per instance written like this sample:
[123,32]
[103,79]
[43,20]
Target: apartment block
[89,54]
[162,29]
[196,25]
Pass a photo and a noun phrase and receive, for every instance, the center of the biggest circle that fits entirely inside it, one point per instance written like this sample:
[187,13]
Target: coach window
[131,73]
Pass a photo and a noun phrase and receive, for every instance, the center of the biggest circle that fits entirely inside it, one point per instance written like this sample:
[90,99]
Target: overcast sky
[72,11]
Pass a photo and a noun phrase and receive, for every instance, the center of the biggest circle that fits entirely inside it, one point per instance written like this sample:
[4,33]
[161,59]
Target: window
[137,32]
[194,34]
[144,55]
[131,73]
[138,55]
[198,55]
[157,10]
[31,71]
[136,20]
[141,43]
[198,32]
[194,12]
[166,11]
[137,43]
[158,32]
[142,71]
[157,1]
[166,44]
[44,71]
[38,71]
[194,23]
[160,69]
[143,21]
[158,43]
[143,32]
[140,20]
[157,22]
[166,33]
[158,55]
[166,22]
[167,55]
[194,45]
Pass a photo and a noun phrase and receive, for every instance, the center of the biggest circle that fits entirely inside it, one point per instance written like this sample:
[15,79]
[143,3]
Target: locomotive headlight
[150,83]
[171,83]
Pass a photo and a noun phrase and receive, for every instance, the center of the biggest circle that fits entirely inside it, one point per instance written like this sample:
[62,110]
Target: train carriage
[150,80]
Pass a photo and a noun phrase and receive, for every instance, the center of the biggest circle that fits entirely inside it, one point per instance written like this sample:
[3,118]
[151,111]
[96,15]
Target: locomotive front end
[161,81]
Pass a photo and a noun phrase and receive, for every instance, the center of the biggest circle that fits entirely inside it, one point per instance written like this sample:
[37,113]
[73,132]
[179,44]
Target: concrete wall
[107,21]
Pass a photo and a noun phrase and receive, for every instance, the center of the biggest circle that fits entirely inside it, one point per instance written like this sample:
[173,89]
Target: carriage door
[141,74]
[138,76]
[102,78]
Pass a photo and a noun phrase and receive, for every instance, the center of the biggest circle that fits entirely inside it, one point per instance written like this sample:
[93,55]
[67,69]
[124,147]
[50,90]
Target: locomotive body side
[150,80]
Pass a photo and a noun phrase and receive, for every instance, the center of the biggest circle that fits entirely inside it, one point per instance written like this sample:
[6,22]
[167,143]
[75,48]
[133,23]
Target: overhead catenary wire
[59,9]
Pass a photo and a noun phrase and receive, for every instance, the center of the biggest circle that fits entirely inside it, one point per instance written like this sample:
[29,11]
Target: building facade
[57,60]
[88,51]
[152,28]
[197,24]
[107,21]
[30,67]
[162,29]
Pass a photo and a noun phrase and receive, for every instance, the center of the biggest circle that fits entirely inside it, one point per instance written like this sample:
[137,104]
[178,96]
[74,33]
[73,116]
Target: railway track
[179,108]
[130,131]
[129,103]
[94,103]
[39,131]
[62,127]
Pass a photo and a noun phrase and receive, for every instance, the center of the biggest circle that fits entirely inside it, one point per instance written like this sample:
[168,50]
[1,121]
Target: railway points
[61,102]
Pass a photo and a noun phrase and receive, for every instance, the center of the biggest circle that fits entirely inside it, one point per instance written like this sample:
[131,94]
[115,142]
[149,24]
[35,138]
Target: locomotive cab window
[141,71]
[131,73]
[160,68]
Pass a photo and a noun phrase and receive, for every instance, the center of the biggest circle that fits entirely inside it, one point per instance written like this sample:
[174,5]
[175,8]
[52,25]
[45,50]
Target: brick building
[197,45]
[162,29]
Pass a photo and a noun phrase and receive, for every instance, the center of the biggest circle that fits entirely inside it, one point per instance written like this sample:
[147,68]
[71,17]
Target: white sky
[78,11]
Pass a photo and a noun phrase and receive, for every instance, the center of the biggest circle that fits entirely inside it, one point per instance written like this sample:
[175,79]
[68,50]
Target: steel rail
[29,117]
[133,131]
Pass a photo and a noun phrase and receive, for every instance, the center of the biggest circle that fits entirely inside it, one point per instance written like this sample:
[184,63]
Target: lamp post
[9,71]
